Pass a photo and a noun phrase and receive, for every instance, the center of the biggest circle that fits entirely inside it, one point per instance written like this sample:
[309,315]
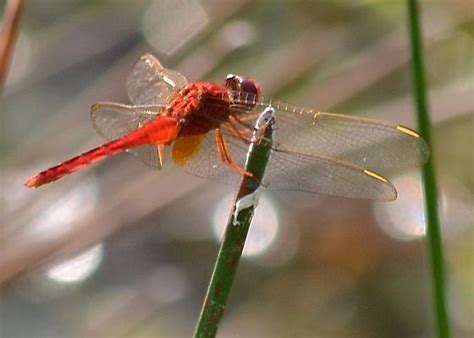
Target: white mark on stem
[248,201]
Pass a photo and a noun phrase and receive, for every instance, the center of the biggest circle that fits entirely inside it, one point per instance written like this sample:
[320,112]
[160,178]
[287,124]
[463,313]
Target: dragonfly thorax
[201,101]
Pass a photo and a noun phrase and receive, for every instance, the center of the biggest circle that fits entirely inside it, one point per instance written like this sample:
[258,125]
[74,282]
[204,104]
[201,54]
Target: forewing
[364,142]
[149,83]
[113,120]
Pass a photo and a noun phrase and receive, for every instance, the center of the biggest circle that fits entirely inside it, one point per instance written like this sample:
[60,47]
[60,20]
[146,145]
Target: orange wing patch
[188,142]
[185,147]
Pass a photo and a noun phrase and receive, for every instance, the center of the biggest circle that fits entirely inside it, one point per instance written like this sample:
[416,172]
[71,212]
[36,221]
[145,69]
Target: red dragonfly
[208,127]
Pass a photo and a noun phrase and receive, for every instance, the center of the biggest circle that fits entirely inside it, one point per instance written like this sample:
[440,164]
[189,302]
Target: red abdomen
[161,130]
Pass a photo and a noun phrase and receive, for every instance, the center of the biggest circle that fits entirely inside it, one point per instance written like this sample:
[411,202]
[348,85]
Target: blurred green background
[117,250]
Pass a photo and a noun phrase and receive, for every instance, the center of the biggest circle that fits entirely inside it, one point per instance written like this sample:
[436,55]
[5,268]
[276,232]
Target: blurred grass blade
[236,231]
[429,177]
[8,33]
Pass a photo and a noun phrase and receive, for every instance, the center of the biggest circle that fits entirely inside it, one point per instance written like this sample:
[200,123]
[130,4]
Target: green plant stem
[237,228]
[428,173]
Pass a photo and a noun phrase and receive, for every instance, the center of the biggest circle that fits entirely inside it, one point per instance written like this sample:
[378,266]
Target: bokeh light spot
[404,218]
[170,24]
[78,268]
[61,214]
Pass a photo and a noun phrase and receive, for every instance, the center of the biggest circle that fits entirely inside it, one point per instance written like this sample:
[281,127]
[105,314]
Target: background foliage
[328,267]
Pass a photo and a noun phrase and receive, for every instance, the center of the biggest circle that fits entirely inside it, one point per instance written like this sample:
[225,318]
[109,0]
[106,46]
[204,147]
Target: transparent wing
[149,83]
[364,142]
[147,154]
[293,171]
[114,120]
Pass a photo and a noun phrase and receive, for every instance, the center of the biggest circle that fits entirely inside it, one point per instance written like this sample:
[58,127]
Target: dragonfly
[206,128]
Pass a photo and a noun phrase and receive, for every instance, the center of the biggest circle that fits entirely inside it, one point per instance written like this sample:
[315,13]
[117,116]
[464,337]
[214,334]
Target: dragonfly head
[248,90]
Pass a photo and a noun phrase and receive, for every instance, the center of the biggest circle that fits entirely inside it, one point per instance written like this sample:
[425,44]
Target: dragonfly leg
[233,118]
[256,139]
[161,151]
[232,128]
[225,154]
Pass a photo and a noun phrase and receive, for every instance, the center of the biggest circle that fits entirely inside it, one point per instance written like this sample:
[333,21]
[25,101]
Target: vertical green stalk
[429,177]
[233,243]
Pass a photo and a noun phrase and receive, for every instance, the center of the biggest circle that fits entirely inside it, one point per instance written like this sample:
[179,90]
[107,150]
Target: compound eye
[233,82]
[250,86]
